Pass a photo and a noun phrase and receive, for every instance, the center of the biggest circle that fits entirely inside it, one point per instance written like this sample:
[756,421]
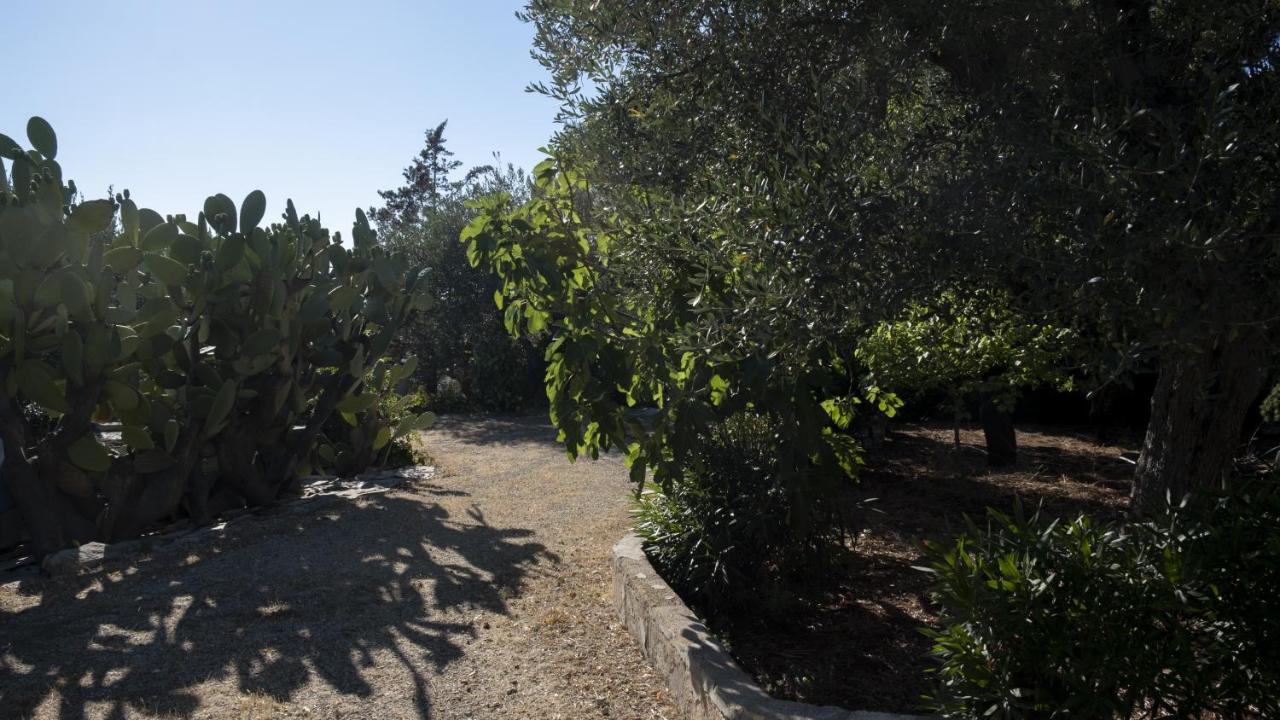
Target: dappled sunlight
[274,610]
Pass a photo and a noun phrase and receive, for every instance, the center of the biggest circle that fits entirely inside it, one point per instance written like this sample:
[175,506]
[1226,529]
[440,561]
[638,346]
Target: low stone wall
[704,680]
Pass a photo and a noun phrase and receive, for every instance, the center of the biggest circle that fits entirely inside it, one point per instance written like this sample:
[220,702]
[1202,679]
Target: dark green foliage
[461,335]
[220,345]
[426,185]
[726,530]
[505,373]
[375,426]
[1109,166]
[1270,407]
[963,346]
[1169,618]
[632,328]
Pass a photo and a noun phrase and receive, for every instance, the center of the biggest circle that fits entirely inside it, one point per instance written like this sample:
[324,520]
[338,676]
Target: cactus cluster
[221,346]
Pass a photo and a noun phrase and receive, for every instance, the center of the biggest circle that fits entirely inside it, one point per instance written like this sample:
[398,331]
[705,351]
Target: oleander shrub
[1175,616]
[221,345]
[724,532]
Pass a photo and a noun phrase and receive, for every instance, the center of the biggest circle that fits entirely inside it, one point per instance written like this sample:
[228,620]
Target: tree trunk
[957,409]
[1197,417]
[997,428]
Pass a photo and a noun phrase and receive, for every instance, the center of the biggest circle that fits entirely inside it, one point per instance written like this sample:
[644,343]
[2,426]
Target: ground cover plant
[1179,609]
[221,345]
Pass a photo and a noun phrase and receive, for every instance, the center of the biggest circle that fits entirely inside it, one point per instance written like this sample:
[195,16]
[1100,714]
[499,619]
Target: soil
[855,641]
[481,593]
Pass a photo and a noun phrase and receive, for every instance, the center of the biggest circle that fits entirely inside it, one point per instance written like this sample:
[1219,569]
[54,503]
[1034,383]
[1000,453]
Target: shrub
[967,347]
[725,530]
[221,345]
[374,427]
[506,373]
[1172,617]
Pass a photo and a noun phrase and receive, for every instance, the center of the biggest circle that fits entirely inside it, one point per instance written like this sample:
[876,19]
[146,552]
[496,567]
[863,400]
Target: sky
[322,101]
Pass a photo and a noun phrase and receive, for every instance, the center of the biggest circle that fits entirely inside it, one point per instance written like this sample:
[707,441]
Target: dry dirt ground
[855,640]
[482,593]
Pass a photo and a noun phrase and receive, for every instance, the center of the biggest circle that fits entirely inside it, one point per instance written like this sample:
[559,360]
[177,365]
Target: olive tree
[1110,164]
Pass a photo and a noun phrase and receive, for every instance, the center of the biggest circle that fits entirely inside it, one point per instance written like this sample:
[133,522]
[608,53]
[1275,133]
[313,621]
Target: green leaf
[252,210]
[261,342]
[92,216]
[382,438]
[87,454]
[129,217]
[229,253]
[165,269]
[342,297]
[357,403]
[42,137]
[222,404]
[186,249]
[9,148]
[36,381]
[220,211]
[74,294]
[122,396]
[137,437]
[148,220]
[123,258]
[160,237]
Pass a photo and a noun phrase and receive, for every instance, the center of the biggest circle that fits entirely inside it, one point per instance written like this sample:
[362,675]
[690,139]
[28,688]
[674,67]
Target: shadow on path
[349,597]
[497,429]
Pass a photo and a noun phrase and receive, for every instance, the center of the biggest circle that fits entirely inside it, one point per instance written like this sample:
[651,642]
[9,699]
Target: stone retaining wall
[704,680]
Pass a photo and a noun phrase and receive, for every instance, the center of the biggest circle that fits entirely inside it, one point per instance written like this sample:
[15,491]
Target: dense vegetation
[786,210]
[1172,616]
[223,348]
[466,357]
[761,224]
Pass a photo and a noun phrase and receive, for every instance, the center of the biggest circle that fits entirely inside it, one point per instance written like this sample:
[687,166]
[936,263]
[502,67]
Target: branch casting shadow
[274,604]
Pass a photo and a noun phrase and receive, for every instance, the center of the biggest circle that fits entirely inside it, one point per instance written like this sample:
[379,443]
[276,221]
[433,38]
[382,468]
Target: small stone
[72,560]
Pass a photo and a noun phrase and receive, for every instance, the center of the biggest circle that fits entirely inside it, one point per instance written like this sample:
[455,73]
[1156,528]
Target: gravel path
[482,593]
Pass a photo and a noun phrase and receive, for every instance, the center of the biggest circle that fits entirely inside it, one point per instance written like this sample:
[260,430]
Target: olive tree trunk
[1197,418]
[999,433]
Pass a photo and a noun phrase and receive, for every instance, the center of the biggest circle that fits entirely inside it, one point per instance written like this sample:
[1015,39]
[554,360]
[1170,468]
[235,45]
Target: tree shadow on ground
[498,429]
[356,596]
[920,475]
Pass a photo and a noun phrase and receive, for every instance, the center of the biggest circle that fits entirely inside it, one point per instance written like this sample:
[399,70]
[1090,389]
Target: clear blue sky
[323,101]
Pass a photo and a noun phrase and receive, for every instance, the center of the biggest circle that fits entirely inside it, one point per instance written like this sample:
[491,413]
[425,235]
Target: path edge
[703,678]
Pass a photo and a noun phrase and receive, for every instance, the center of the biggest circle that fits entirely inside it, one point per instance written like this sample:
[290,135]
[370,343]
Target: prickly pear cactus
[221,345]
[374,423]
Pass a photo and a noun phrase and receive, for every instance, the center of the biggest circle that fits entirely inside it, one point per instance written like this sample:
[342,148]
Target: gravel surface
[481,593]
